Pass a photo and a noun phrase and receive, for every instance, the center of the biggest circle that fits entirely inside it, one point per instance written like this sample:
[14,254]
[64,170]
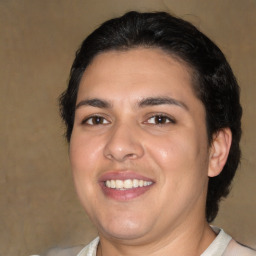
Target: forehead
[145,68]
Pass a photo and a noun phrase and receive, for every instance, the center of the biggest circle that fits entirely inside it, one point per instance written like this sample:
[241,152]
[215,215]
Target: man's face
[139,149]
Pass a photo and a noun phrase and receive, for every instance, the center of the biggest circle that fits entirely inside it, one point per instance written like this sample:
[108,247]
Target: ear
[219,151]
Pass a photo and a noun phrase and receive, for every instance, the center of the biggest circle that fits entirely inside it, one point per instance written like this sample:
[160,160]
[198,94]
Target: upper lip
[123,175]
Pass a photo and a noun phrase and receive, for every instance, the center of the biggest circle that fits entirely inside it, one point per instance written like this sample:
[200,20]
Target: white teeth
[112,184]
[146,183]
[108,183]
[127,184]
[119,184]
[135,183]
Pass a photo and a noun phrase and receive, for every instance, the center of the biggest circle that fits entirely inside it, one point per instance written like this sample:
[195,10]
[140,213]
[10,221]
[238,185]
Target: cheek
[84,152]
[84,159]
[173,150]
[180,155]
[84,164]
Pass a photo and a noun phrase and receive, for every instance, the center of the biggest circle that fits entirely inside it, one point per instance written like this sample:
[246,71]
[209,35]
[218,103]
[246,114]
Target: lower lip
[124,195]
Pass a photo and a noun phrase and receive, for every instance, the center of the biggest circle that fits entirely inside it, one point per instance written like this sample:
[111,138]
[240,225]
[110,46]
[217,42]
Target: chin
[124,229]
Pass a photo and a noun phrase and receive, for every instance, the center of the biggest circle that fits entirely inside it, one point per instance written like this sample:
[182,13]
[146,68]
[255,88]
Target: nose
[123,143]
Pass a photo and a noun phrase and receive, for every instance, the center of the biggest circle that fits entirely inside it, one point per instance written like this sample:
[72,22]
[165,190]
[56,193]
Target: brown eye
[159,119]
[95,120]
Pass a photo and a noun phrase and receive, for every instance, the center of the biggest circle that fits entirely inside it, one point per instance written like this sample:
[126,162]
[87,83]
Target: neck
[191,241]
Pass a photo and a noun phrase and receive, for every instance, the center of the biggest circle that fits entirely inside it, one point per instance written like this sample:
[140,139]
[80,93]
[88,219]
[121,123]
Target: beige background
[38,205]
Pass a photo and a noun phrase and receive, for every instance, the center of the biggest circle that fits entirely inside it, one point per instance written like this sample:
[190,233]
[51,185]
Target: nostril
[130,156]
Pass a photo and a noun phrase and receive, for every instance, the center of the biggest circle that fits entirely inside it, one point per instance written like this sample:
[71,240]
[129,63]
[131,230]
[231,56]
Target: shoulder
[57,251]
[90,249]
[224,245]
[236,249]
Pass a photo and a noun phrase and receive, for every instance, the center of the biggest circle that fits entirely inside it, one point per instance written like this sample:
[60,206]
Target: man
[154,123]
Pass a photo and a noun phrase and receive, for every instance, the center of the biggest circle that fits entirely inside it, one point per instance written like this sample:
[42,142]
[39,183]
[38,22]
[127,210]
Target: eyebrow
[151,101]
[98,103]
[154,101]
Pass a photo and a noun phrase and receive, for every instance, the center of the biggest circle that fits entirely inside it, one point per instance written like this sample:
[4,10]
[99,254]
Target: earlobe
[219,151]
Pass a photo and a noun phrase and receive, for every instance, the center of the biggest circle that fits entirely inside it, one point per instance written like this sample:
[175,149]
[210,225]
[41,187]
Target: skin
[129,138]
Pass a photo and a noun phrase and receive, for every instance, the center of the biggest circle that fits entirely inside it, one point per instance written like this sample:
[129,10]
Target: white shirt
[222,245]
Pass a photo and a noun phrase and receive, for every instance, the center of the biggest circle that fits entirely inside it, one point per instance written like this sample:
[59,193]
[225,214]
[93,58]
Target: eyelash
[100,120]
[165,118]
[96,118]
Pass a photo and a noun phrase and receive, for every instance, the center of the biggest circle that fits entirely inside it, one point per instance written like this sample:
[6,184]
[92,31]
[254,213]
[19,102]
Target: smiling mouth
[127,184]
